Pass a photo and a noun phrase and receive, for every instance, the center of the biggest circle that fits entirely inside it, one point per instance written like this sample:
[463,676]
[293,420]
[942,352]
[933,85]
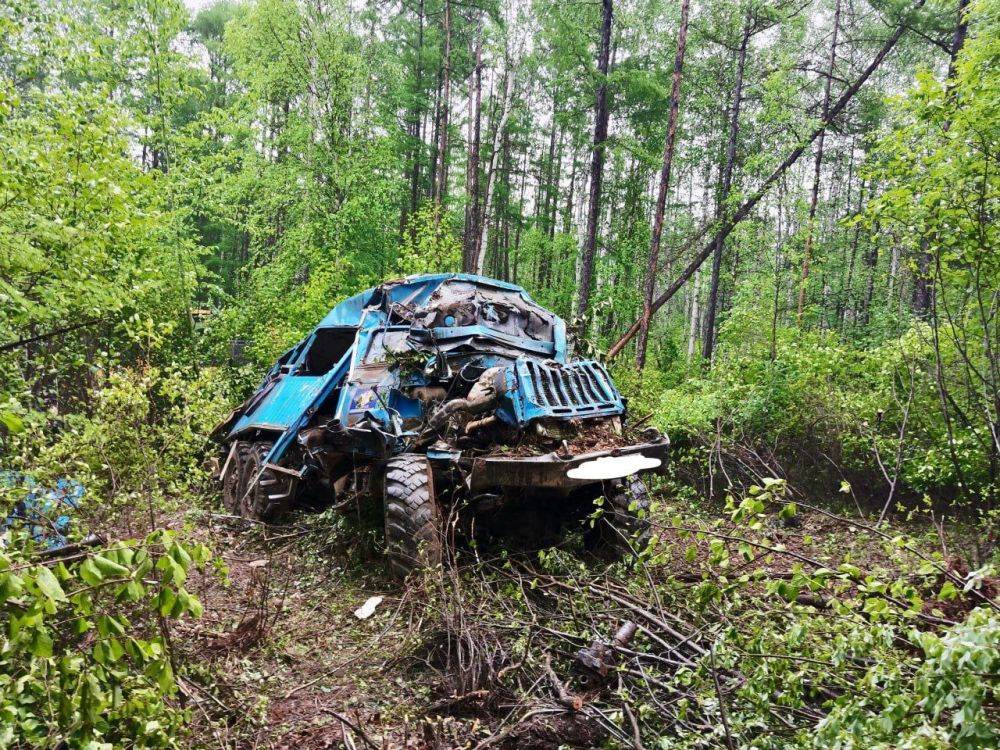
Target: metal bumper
[548,470]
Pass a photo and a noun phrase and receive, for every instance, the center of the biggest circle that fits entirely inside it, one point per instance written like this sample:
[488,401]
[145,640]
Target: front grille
[577,389]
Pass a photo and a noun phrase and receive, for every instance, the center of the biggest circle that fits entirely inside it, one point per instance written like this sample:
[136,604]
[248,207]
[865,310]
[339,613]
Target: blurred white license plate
[613,467]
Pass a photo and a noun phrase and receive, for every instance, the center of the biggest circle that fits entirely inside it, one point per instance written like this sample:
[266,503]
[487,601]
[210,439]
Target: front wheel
[412,517]
[622,530]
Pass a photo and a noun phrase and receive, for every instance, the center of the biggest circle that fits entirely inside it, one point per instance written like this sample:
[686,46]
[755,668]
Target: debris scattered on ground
[367,609]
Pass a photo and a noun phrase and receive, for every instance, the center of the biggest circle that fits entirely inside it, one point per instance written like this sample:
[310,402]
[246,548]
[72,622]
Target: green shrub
[142,444]
[825,399]
[85,659]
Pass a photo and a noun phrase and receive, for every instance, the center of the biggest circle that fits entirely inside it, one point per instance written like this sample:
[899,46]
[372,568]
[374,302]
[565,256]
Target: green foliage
[141,447]
[426,249]
[820,394]
[85,661]
[939,702]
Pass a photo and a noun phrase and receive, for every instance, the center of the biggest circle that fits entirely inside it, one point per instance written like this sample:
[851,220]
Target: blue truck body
[452,376]
[290,395]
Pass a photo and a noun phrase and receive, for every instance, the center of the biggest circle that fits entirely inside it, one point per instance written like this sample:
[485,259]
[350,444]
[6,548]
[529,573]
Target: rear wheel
[412,517]
[265,494]
[232,480]
[622,530]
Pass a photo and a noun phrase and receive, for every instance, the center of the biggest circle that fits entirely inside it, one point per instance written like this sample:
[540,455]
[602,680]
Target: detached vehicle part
[441,393]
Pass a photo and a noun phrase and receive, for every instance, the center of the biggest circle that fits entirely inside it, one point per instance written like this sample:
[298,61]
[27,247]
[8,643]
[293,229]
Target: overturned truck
[445,397]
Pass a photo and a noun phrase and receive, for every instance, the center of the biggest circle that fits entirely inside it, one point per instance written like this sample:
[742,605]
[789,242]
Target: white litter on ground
[367,609]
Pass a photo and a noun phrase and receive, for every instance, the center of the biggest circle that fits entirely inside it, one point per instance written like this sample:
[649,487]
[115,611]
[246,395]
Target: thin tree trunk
[958,38]
[695,316]
[472,216]
[817,165]
[436,134]
[556,178]
[440,189]
[744,210]
[500,133]
[652,265]
[596,162]
[415,128]
[547,189]
[871,260]
[847,307]
[711,306]
[520,218]
[923,284]
[568,211]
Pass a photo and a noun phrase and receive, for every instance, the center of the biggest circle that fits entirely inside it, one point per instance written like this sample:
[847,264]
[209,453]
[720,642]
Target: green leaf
[948,592]
[11,585]
[165,601]
[90,573]
[48,584]
[110,568]
[12,422]
[41,644]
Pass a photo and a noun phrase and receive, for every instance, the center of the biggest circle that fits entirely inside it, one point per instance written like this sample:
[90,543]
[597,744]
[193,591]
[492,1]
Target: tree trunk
[726,183]
[817,165]
[596,161]
[545,198]
[744,210]
[556,178]
[958,38]
[440,190]
[479,251]
[568,210]
[436,135]
[415,131]
[847,306]
[694,316]
[923,284]
[472,216]
[652,265]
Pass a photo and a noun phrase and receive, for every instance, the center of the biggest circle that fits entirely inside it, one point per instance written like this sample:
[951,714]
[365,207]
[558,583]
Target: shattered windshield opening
[385,344]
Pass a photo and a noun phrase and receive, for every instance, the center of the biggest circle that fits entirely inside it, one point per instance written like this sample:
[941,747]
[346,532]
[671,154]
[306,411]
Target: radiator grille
[577,389]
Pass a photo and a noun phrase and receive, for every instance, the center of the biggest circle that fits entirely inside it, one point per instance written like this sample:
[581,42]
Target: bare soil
[279,660]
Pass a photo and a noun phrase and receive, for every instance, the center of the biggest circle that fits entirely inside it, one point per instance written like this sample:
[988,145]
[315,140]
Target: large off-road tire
[622,529]
[269,497]
[412,516]
[233,485]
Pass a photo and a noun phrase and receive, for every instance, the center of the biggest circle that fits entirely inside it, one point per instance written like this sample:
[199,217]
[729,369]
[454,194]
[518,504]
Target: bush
[143,443]
[87,659]
[821,401]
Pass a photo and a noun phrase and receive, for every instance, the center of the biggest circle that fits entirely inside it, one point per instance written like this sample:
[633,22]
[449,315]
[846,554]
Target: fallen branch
[565,697]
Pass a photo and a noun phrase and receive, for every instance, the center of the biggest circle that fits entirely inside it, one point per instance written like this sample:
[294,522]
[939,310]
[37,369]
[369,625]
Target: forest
[775,222]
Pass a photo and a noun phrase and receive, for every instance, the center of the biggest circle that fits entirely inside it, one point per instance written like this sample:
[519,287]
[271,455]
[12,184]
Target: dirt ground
[279,659]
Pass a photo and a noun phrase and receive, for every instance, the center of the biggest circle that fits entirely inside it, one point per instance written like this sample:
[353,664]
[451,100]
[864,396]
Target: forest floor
[279,659]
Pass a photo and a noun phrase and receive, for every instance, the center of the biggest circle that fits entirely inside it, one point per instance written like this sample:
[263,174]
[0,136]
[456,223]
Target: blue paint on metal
[286,400]
[577,390]
[348,312]
[45,511]
[438,454]
[283,403]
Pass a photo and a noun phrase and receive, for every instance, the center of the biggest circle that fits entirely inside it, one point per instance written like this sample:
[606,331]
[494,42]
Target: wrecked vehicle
[447,396]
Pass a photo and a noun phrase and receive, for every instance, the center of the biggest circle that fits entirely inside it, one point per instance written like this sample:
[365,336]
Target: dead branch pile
[555,653]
